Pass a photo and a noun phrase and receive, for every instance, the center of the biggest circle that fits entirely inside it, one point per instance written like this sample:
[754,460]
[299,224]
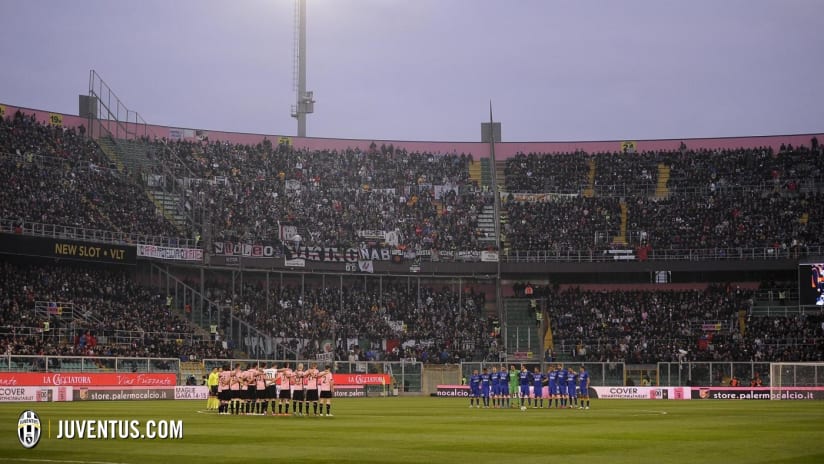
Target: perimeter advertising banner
[362,379]
[35,394]
[758,393]
[462,391]
[122,393]
[349,391]
[640,393]
[447,391]
[86,379]
[199,392]
[107,393]
[67,249]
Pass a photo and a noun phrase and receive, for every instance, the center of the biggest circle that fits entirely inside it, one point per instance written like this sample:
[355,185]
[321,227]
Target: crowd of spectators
[55,175]
[432,324]
[646,327]
[714,199]
[106,314]
[245,193]
[563,224]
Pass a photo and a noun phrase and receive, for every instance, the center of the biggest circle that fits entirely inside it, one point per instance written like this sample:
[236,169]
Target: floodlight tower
[304,100]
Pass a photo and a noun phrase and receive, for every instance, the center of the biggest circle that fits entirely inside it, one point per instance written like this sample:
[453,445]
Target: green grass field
[439,430]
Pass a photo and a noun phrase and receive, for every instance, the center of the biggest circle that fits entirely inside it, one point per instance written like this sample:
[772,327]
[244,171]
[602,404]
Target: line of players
[565,387]
[251,391]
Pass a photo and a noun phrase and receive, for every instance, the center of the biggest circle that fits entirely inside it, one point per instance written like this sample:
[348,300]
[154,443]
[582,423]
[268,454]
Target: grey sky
[426,69]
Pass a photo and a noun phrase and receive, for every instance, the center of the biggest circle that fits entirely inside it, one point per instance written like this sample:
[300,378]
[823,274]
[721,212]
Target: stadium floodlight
[304,100]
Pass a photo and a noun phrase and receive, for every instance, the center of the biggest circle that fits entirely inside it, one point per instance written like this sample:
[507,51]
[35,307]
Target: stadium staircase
[476,173]
[504,217]
[662,190]
[107,145]
[130,156]
[238,328]
[521,333]
[169,204]
[621,238]
[486,173]
[500,174]
[589,192]
[136,159]
[486,225]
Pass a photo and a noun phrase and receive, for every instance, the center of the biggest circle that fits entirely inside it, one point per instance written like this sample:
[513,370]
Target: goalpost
[785,376]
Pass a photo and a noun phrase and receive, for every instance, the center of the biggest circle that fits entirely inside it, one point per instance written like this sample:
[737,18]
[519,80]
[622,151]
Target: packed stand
[55,175]
[715,199]
[246,192]
[438,325]
[646,327]
[576,221]
[111,315]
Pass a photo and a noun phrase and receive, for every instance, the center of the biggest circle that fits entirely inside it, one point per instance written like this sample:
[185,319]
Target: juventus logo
[28,429]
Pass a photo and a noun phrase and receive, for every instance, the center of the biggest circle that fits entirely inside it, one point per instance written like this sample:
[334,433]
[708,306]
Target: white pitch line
[59,460]
[649,412]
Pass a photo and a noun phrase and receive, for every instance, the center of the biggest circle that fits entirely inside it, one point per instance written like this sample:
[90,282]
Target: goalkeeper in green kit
[513,383]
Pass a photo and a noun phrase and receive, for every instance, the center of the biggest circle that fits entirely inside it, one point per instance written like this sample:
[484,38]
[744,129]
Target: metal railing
[708,374]
[102,364]
[13,226]
[785,311]
[208,314]
[112,117]
[106,337]
[8,225]
[708,254]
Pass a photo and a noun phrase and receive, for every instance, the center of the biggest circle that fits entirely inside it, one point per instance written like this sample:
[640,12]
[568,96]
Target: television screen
[811,284]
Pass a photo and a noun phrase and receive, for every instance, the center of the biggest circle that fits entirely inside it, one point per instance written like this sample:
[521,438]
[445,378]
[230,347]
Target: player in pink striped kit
[327,387]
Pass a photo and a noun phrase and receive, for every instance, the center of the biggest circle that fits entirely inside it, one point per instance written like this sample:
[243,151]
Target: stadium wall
[503,150]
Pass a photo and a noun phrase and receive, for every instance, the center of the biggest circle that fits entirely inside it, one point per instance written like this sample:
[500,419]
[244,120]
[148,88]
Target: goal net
[785,377]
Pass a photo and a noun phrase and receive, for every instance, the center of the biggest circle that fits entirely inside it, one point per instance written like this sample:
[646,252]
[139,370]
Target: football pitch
[439,430]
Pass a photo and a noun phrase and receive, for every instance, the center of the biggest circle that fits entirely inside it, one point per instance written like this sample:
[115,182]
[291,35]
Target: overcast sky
[426,69]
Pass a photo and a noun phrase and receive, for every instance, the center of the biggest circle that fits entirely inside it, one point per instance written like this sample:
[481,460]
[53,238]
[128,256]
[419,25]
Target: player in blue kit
[475,389]
[503,379]
[538,387]
[496,386]
[572,381]
[485,387]
[523,380]
[552,373]
[562,385]
[583,385]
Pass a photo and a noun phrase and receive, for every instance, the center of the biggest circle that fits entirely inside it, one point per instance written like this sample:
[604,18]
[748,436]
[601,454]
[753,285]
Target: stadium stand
[56,176]
[427,200]
[433,324]
[85,311]
[683,199]
[644,327]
